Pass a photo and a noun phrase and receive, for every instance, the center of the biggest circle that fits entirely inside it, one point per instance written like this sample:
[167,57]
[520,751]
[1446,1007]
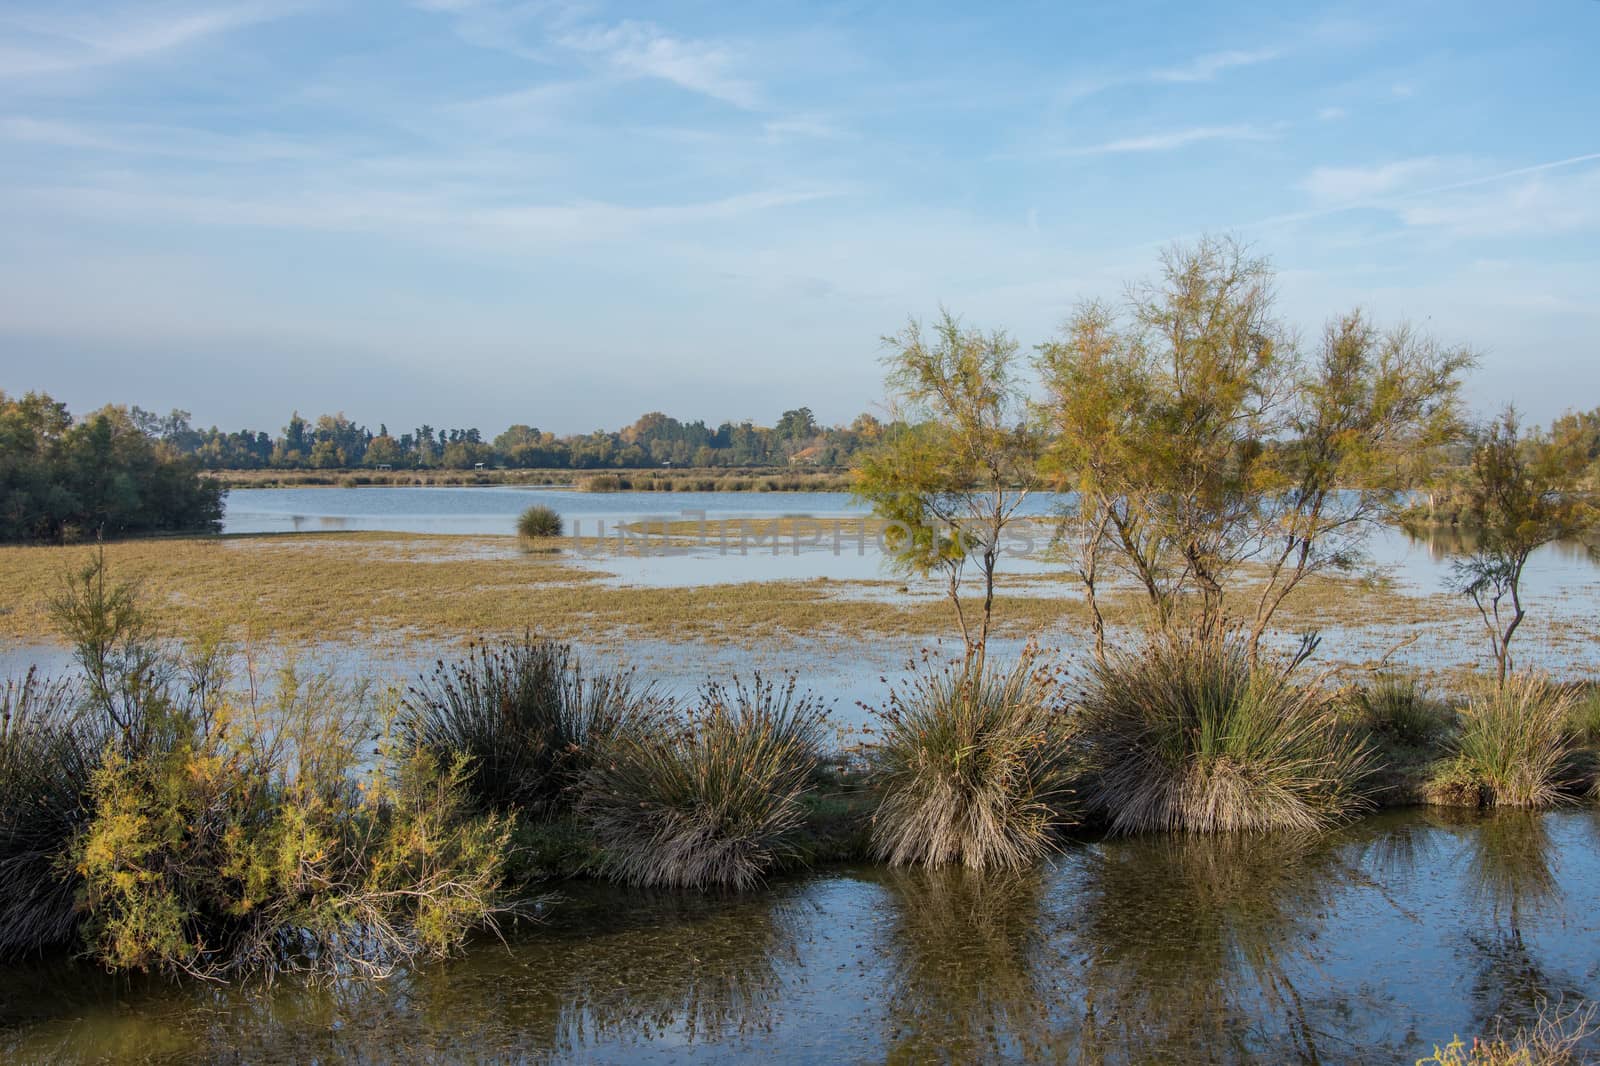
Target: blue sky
[476,212]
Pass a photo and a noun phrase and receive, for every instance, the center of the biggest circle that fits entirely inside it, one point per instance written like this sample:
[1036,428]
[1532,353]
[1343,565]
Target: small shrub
[525,716]
[539,522]
[220,857]
[600,483]
[48,756]
[1515,745]
[973,768]
[1398,708]
[1188,736]
[715,803]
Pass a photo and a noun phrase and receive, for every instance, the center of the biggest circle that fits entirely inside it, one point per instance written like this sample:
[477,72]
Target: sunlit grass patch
[973,764]
[1188,735]
[1515,747]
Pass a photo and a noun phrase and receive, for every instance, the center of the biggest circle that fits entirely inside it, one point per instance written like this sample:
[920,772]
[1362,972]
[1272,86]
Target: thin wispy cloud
[1169,140]
[1337,185]
[642,49]
[1208,66]
[58,43]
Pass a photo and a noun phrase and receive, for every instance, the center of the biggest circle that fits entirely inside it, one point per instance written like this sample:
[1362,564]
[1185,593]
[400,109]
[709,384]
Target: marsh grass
[527,719]
[49,752]
[1188,736]
[1515,748]
[974,765]
[716,802]
[539,522]
[1399,709]
[1585,717]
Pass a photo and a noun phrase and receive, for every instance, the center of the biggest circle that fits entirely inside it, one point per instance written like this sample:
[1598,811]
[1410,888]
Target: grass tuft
[1515,748]
[1398,708]
[539,523]
[973,766]
[1188,736]
[48,756]
[525,716]
[715,803]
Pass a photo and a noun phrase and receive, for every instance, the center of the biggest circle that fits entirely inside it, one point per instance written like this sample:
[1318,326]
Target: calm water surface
[1367,946]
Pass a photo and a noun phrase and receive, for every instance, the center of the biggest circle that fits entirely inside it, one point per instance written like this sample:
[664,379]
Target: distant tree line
[336,442]
[104,475]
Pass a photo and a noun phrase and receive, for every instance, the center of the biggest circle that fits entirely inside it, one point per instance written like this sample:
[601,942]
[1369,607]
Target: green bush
[1515,748]
[1187,735]
[714,803]
[527,719]
[539,522]
[249,851]
[973,768]
[1398,708]
[48,755]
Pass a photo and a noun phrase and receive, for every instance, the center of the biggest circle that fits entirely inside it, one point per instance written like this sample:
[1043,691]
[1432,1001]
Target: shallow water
[834,546]
[1368,946]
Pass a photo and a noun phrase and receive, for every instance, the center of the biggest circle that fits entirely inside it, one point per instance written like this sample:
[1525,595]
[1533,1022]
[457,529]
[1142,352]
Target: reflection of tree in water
[1190,943]
[1511,877]
[966,983]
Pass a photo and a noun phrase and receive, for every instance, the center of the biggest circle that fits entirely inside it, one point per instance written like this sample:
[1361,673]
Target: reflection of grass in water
[1511,867]
[1190,940]
[967,982]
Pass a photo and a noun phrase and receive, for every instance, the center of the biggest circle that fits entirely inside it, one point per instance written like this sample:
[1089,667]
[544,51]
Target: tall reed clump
[1515,748]
[714,803]
[527,719]
[48,756]
[1398,708]
[1188,735]
[539,522]
[974,765]
[601,483]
